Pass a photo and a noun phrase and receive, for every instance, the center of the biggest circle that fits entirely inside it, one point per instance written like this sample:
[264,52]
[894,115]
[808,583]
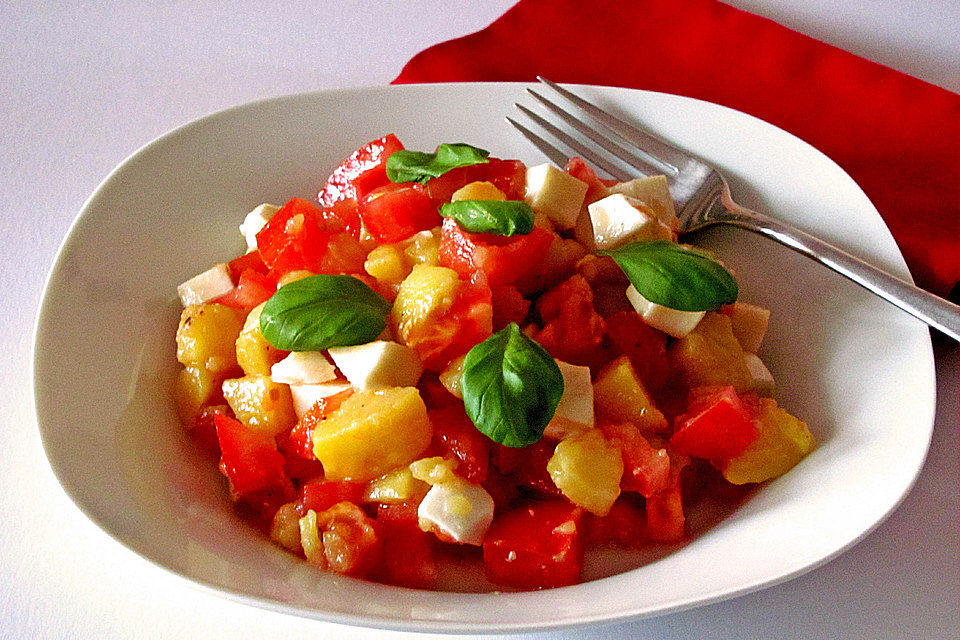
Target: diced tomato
[502,259]
[301,436]
[454,433]
[345,254]
[535,546]
[320,495]
[645,346]
[399,512]
[250,460]
[204,430]
[717,426]
[527,466]
[624,526]
[665,519]
[573,331]
[596,188]
[468,321]
[344,214]
[408,558]
[296,237]
[252,289]
[363,171]
[510,176]
[508,306]
[394,212]
[251,260]
[646,469]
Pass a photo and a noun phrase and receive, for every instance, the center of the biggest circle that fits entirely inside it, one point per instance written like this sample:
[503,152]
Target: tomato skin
[503,260]
[624,526]
[250,460]
[510,176]
[454,433]
[363,171]
[665,519]
[573,331]
[509,305]
[408,553]
[320,495]
[394,212]
[252,289]
[250,260]
[526,467]
[535,546]
[646,470]
[718,425]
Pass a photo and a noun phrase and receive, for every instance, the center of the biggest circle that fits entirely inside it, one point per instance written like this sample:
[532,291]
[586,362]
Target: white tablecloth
[84,84]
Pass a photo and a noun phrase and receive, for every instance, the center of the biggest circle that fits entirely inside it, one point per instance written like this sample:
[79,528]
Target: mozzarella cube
[619,219]
[378,364]
[307,395]
[207,286]
[574,413]
[457,511]
[254,222]
[555,193]
[654,192]
[671,321]
[763,381]
[303,367]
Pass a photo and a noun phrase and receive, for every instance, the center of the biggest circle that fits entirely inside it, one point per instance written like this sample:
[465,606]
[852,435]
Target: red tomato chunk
[717,426]
[394,212]
[362,172]
[250,460]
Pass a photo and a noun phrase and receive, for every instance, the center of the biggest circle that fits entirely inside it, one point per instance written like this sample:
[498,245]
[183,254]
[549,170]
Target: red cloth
[898,137]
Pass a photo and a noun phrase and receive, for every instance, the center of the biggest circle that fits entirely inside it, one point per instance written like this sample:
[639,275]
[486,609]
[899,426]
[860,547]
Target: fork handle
[931,309]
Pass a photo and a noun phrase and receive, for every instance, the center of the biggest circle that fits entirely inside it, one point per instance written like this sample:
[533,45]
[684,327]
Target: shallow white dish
[859,371]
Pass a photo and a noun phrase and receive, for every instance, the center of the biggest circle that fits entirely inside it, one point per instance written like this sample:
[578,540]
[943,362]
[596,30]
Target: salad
[450,355]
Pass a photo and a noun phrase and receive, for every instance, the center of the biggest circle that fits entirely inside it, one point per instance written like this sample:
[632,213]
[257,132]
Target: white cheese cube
[307,395]
[207,286]
[378,364]
[574,413]
[456,511]
[654,192]
[763,381]
[749,323]
[671,321]
[303,367]
[619,219]
[254,222]
[555,193]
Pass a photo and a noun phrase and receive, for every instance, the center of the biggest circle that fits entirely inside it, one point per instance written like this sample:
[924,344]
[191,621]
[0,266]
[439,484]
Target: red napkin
[898,137]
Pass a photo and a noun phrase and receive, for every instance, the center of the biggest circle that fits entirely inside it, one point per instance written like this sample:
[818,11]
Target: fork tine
[640,164]
[584,151]
[652,145]
[555,155]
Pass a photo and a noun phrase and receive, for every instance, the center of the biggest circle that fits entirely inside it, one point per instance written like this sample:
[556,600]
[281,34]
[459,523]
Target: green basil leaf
[500,217]
[511,387]
[323,311]
[675,276]
[418,166]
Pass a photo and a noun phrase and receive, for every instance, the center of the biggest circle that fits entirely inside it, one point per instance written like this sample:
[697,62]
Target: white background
[84,84]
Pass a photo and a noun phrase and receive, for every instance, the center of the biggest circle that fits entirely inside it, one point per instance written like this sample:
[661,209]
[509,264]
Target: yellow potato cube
[423,247]
[372,433]
[783,442]
[285,528]
[749,324]
[425,294]
[711,356]
[396,486]
[478,191]
[587,469]
[434,470]
[293,276]
[192,391]
[260,403]
[619,395]
[254,354]
[207,336]
[450,377]
[388,264]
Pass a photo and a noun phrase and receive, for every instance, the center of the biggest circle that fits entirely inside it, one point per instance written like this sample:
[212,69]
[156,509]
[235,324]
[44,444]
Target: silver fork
[702,198]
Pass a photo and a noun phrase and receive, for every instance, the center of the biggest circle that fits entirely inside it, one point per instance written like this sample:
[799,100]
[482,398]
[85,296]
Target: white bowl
[859,371]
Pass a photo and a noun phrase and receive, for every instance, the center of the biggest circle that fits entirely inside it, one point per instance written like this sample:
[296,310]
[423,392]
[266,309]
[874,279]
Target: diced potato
[310,539]
[388,264]
[207,337]
[423,247]
[261,404]
[450,377]
[749,324]
[285,528]
[434,470]
[478,191]
[372,433]
[193,389]
[254,354]
[425,294]
[398,485]
[783,442]
[711,356]
[763,381]
[587,469]
[620,396]
[293,276]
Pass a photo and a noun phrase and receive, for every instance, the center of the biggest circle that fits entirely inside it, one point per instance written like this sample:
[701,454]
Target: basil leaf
[674,276]
[511,387]
[417,166]
[500,217]
[323,311]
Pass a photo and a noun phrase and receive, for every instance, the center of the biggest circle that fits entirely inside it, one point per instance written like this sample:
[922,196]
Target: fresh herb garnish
[418,166]
[499,217]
